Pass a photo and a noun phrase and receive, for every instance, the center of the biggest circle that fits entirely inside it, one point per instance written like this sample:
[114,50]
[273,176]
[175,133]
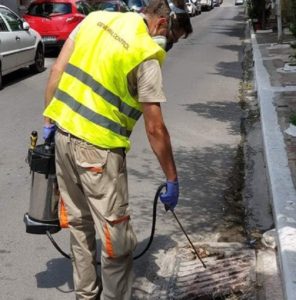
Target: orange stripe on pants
[63,215]
[97,169]
[109,248]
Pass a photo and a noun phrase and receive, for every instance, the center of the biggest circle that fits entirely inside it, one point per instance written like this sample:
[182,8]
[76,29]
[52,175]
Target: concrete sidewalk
[276,90]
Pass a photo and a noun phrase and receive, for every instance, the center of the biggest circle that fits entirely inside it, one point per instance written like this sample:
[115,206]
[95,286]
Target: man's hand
[171,196]
[48,131]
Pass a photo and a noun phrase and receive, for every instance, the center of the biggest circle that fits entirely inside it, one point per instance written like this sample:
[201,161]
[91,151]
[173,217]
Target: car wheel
[38,65]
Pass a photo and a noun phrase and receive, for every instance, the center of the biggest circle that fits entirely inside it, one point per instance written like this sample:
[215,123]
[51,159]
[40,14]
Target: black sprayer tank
[44,196]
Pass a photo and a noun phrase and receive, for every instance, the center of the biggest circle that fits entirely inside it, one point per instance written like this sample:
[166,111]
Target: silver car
[207,4]
[20,46]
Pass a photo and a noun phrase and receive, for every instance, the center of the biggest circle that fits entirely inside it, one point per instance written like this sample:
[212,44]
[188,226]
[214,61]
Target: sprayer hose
[151,234]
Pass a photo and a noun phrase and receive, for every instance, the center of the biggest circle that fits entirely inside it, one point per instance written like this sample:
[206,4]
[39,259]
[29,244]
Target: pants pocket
[90,157]
[119,237]
[91,166]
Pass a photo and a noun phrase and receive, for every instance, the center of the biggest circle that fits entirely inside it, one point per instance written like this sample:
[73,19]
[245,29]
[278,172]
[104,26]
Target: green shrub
[293,119]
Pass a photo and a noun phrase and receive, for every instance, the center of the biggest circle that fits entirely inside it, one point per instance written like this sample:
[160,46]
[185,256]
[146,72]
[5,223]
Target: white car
[190,8]
[207,4]
[238,2]
[20,46]
[198,5]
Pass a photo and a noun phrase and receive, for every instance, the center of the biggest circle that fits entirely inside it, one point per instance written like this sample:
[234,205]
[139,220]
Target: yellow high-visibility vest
[92,100]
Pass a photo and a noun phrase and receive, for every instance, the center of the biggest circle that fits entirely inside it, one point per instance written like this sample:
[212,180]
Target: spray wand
[183,230]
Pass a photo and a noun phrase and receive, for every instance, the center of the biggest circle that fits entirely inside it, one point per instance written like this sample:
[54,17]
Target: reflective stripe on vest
[91,115]
[104,93]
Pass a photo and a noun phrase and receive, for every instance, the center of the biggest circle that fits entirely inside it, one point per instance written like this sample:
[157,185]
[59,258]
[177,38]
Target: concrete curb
[281,185]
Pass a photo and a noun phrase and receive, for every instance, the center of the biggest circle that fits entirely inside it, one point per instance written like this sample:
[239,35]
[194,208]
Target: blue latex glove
[171,196]
[48,131]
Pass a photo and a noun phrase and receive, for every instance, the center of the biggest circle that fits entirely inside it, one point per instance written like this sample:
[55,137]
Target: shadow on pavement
[58,273]
[52,53]
[220,111]
[17,76]
[205,177]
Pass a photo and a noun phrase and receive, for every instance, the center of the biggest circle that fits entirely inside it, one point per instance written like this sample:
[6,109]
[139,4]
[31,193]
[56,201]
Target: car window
[3,26]
[135,3]
[49,9]
[112,6]
[123,7]
[83,8]
[14,22]
[80,7]
[107,6]
[87,8]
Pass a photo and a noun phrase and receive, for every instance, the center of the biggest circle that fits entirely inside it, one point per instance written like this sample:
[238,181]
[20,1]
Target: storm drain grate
[230,274]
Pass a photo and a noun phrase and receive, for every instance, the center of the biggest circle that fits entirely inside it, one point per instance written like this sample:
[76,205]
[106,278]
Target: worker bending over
[106,76]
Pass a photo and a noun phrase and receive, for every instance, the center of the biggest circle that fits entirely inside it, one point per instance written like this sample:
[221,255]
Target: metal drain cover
[230,274]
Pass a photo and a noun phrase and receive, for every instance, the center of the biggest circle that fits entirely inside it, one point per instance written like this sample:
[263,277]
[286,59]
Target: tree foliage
[259,10]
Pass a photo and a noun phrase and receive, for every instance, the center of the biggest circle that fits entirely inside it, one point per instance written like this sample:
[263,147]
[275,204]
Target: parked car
[207,4]
[190,8]
[197,3]
[55,19]
[111,5]
[238,2]
[193,7]
[135,5]
[216,3]
[20,46]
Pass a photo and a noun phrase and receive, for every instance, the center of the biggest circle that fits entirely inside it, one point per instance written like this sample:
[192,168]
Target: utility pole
[279,21]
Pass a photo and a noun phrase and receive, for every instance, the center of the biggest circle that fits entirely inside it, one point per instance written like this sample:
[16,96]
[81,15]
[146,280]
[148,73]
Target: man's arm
[56,72]
[159,139]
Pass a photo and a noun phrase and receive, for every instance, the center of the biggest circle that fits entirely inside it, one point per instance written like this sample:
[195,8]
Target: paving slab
[269,285]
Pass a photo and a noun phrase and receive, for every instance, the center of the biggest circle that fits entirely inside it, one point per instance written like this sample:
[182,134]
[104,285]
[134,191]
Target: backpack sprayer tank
[43,210]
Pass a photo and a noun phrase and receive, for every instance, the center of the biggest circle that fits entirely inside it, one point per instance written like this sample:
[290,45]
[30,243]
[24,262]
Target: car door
[8,53]
[24,40]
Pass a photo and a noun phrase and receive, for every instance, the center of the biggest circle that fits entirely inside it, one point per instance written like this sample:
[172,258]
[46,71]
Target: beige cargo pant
[94,196]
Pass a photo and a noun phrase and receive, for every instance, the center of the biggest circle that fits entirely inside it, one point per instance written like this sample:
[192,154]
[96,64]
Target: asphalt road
[201,79]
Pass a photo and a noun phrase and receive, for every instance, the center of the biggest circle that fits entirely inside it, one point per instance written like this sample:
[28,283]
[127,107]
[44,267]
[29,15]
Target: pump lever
[33,139]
